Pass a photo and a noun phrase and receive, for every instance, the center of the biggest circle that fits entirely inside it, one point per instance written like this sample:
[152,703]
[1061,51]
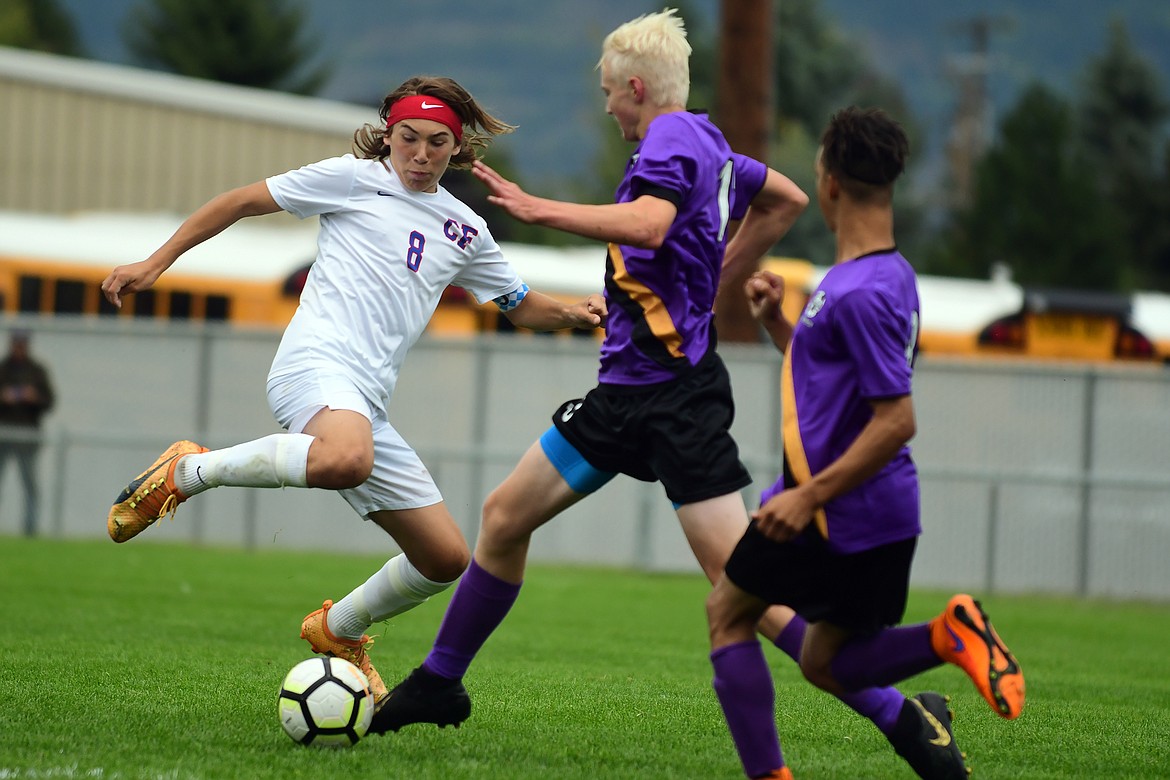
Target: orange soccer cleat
[962,635]
[151,496]
[315,630]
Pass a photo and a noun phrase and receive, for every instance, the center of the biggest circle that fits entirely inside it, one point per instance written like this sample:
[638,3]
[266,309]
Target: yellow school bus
[252,275]
[997,318]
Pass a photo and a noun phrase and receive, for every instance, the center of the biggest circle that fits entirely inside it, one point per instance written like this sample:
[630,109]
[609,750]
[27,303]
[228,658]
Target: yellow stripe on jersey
[793,445]
[653,309]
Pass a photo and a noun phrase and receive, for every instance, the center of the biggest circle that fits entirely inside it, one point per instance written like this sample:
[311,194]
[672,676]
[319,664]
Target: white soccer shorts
[399,479]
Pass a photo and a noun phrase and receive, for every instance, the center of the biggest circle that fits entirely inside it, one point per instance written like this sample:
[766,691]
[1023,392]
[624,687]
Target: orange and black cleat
[962,635]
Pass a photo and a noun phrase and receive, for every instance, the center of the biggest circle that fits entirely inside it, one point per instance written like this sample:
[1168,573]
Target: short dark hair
[865,145]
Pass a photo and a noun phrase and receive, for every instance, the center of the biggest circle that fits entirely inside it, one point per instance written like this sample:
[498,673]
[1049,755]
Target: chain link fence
[1035,478]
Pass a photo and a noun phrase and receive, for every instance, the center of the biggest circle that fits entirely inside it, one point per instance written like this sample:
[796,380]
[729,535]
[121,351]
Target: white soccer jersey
[385,255]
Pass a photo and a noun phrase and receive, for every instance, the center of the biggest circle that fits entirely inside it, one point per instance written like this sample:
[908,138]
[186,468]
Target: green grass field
[154,661]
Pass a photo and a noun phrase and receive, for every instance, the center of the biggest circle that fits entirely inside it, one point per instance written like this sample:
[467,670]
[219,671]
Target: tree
[818,71]
[816,66]
[1158,273]
[256,43]
[40,25]
[1036,206]
[1123,113]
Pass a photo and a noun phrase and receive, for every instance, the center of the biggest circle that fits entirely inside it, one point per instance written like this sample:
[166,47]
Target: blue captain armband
[512,299]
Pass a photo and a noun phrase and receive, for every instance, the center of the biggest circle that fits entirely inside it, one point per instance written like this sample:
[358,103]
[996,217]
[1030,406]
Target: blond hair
[654,48]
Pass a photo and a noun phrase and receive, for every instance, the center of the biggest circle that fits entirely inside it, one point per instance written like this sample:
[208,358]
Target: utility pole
[744,112]
[971,126]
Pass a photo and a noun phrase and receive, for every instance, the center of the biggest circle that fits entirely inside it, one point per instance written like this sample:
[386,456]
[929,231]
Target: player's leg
[812,579]
[400,496]
[713,528]
[434,555]
[742,679]
[709,527]
[920,733]
[918,727]
[550,477]
[864,593]
[335,452]
[962,635]
[5,454]
[328,445]
[427,535]
[26,460]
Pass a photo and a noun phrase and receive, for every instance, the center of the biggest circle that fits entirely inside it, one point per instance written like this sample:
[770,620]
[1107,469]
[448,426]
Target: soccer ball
[325,702]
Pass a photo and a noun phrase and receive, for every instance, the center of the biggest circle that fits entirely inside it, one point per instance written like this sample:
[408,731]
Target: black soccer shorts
[862,592]
[675,432]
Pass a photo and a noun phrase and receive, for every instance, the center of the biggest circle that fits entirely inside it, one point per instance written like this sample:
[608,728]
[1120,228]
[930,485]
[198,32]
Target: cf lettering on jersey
[459,233]
[570,409]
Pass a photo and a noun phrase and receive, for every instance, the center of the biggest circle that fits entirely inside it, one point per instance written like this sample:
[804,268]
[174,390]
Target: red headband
[425,107]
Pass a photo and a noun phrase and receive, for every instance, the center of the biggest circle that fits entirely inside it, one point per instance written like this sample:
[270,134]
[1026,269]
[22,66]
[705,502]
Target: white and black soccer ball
[325,702]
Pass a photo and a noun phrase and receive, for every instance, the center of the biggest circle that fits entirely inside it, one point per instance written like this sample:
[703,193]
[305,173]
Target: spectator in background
[26,394]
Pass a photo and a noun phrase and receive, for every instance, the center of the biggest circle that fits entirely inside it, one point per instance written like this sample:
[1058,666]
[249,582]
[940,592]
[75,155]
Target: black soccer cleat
[923,737]
[422,698]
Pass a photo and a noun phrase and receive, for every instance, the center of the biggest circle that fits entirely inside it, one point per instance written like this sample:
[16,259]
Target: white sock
[394,589]
[273,461]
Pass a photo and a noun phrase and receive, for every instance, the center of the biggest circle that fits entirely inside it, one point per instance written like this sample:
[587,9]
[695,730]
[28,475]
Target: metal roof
[166,89]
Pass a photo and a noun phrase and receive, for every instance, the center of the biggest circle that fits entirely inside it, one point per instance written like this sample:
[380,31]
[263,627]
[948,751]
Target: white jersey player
[391,240]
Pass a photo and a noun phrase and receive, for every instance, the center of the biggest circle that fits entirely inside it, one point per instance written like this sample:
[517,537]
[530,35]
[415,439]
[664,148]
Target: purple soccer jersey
[660,301]
[855,342]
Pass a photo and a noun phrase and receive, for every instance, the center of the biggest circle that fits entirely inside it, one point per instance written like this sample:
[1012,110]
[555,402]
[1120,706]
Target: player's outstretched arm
[208,220]
[643,222]
[540,312]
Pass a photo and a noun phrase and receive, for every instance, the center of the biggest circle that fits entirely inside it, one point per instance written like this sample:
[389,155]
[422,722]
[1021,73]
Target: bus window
[144,302]
[217,308]
[30,293]
[180,306]
[69,297]
[105,308]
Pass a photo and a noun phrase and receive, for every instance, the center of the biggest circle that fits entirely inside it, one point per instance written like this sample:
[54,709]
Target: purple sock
[791,639]
[880,705]
[743,685]
[886,657]
[480,604]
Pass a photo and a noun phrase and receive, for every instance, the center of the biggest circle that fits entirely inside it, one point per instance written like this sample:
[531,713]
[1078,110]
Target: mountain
[531,61]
